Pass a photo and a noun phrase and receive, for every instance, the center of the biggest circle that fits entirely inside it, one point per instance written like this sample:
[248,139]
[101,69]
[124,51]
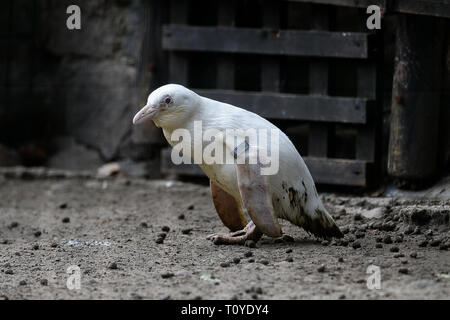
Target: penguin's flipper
[230,211]
[255,195]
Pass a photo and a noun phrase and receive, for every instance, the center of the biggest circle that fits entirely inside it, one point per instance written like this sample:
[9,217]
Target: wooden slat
[366,87]
[168,167]
[263,41]
[178,67]
[270,66]
[338,171]
[318,85]
[323,170]
[348,3]
[225,63]
[438,8]
[295,107]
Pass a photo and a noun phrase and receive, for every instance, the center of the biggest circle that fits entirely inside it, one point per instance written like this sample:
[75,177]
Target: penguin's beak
[147,112]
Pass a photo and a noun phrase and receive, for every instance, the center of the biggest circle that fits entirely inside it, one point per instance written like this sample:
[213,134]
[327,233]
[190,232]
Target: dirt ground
[110,230]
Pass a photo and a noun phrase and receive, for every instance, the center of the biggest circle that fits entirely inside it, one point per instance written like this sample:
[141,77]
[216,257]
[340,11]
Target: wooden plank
[366,88]
[168,167]
[323,170]
[225,63]
[270,66]
[263,41]
[414,135]
[348,3]
[337,171]
[437,8]
[178,67]
[318,85]
[295,107]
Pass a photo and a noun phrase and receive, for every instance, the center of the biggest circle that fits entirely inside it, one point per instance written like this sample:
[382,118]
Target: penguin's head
[169,106]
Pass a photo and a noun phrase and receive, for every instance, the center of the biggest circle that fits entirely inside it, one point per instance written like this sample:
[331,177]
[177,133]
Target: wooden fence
[269,43]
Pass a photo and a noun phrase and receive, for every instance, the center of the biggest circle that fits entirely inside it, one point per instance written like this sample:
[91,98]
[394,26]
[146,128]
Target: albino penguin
[239,187]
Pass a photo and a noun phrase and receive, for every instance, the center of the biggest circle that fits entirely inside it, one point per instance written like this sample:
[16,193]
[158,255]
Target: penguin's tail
[322,224]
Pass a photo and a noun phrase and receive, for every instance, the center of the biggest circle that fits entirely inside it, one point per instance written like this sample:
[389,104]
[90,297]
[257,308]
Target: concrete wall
[85,83]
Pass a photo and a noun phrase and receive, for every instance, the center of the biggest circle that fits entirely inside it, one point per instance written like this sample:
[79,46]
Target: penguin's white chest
[224,175]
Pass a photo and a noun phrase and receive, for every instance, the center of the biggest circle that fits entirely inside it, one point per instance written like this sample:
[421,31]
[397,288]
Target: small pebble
[423,243]
[186,231]
[265,262]
[404,261]
[159,241]
[360,234]
[44,282]
[290,259]
[13,225]
[37,234]
[357,217]
[356,245]
[394,249]
[321,269]
[181,217]
[248,254]
[289,251]
[113,266]
[378,246]
[9,271]
[36,247]
[413,255]
[435,242]
[167,275]
[288,238]
[250,244]
[387,239]
[251,260]
[162,235]
[54,245]
[23,283]
[341,259]
[342,297]
[144,225]
[236,260]
[66,220]
[63,206]
[403,270]
[191,207]
[165,229]
[343,243]
[225,264]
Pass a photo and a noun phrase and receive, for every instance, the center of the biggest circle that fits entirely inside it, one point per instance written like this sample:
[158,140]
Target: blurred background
[364,107]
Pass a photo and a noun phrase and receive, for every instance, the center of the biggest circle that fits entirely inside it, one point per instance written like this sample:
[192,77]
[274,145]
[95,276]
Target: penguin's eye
[168,100]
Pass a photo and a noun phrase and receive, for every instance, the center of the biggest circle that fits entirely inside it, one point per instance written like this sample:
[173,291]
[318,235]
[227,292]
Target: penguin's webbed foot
[250,232]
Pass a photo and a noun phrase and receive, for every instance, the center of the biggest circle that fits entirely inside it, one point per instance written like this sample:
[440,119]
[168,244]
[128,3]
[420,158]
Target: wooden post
[225,67]
[318,85]
[270,66]
[151,74]
[178,64]
[415,99]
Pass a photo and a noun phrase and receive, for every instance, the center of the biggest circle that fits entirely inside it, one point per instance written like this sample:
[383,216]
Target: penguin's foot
[250,232]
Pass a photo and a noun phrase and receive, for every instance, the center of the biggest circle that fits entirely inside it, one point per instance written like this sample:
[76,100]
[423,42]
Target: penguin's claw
[250,232]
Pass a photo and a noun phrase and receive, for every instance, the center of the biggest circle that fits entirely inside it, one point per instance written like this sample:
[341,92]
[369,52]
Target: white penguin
[241,187]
